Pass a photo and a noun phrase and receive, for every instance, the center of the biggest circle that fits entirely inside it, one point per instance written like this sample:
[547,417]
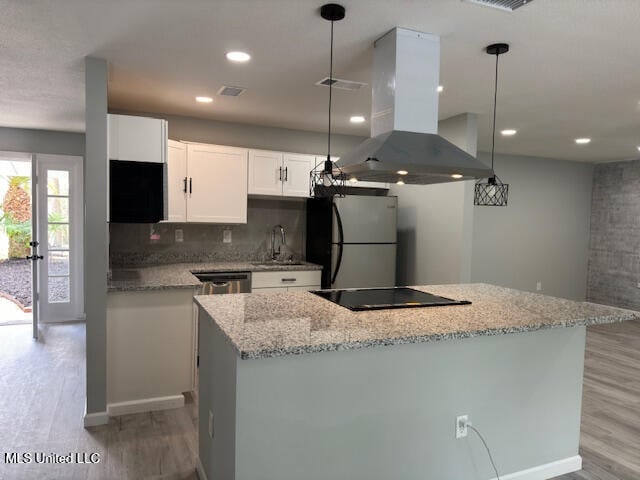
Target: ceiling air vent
[231,91]
[505,5]
[341,84]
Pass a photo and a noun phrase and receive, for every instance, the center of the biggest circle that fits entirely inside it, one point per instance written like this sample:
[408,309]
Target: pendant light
[492,192]
[324,175]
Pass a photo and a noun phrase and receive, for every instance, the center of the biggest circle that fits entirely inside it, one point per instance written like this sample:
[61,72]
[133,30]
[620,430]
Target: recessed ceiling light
[400,182]
[238,57]
[582,141]
[456,176]
[353,180]
[509,132]
[357,119]
[440,89]
[638,147]
[402,172]
[204,99]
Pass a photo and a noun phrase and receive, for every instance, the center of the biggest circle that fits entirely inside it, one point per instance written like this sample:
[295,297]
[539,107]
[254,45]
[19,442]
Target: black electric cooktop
[384,298]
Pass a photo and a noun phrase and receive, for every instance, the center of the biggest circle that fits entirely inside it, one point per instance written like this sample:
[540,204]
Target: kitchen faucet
[274,253]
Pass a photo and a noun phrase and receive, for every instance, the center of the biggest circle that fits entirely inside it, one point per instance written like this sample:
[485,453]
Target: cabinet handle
[190,185]
[286,174]
[288,279]
[185,185]
[280,173]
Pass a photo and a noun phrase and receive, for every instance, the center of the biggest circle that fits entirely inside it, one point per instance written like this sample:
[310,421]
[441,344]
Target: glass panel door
[60,232]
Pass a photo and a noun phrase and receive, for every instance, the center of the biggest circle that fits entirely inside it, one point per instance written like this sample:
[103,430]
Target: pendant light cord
[495,103]
[330,94]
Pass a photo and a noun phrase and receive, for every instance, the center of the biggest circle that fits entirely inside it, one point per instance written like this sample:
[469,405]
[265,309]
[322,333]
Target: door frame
[74,310]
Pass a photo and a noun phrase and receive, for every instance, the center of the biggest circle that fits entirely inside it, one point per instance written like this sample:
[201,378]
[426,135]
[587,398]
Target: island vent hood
[404,146]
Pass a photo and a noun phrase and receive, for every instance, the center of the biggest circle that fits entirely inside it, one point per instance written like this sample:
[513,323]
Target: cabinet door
[137,139]
[296,177]
[177,182]
[217,190]
[265,172]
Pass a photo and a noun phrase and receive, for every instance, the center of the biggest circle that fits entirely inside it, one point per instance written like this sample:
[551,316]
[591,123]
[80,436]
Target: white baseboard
[145,405]
[200,469]
[548,470]
[95,419]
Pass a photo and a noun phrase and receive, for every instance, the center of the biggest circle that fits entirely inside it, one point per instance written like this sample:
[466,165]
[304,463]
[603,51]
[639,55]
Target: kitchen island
[293,386]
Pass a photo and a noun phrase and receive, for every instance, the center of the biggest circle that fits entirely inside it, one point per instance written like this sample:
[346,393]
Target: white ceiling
[573,69]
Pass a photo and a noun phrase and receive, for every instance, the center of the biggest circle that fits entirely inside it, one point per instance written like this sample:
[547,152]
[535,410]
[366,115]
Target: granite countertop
[179,275]
[261,325]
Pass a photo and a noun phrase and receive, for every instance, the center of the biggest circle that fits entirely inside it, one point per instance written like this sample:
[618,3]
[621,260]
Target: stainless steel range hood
[404,118]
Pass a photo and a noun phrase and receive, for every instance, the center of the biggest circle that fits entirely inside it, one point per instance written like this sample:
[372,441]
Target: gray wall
[614,261]
[132,245]
[378,413]
[435,222]
[543,234]
[254,136]
[41,141]
[96,233]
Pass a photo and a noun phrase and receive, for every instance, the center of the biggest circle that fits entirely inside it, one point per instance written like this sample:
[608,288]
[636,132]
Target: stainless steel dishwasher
[216,283]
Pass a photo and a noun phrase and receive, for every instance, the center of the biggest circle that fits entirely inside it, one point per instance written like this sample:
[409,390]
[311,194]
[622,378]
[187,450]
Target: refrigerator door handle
[340,243]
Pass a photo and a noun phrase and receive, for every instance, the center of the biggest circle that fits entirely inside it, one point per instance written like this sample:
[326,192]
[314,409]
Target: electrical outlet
[539,285]
[226,236]
[179,235]
[210,424]
[462,422]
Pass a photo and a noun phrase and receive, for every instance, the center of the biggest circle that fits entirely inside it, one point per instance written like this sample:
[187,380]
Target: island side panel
[216,394]
[389,412]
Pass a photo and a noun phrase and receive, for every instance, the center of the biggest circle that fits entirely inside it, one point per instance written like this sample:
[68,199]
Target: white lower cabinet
[151,349]
[288,280]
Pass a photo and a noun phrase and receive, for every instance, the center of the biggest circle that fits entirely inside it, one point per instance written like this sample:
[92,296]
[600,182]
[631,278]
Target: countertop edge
[191,268]
[333,347]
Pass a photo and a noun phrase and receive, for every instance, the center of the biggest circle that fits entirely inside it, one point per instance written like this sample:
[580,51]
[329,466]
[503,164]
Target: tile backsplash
[152,244]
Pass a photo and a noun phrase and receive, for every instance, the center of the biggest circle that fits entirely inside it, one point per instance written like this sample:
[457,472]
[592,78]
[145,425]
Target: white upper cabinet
[138,139]
[217,184]
[296,174]
[279,174]
[177,182]
[265,172]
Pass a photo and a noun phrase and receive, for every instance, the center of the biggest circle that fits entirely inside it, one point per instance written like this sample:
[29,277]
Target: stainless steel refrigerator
[354,239]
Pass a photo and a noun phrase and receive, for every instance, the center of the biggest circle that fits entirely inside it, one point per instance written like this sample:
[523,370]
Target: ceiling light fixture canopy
[331,183]
[493,193]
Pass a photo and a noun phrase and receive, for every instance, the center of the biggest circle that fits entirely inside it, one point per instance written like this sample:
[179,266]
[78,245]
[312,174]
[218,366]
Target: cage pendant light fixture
[492,192]
[326,178]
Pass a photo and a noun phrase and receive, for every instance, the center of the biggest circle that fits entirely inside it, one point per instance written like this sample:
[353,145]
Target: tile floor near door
[42,402]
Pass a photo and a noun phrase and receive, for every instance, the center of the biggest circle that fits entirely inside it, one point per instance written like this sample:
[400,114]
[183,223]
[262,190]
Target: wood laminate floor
[42,391]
